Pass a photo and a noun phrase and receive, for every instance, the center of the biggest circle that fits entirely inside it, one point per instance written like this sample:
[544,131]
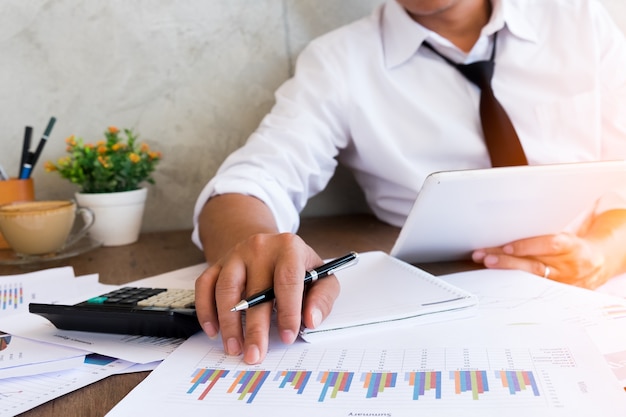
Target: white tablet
[457,212]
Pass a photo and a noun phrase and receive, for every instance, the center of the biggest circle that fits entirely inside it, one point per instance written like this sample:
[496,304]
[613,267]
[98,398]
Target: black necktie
[502,142]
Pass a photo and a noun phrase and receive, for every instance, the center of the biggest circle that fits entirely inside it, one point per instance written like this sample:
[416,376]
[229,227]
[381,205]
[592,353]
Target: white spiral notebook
[384,291]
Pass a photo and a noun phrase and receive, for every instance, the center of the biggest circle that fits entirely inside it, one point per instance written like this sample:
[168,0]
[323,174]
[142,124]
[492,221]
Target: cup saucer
[9,257]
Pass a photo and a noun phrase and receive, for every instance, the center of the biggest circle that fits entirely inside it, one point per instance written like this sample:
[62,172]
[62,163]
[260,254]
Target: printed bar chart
[249,382]
[335,382]
[424,381]
[376,382]
[296,379]
[470,381]
[517,381]
[12,296]
[428,376]
[202,376]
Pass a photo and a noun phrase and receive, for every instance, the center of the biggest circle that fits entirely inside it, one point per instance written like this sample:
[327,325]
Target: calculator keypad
[147,297]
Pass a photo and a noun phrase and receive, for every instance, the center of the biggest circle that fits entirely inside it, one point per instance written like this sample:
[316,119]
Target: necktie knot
[479,73]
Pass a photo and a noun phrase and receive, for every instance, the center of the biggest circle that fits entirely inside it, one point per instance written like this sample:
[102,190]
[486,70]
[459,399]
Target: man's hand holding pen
[278,261]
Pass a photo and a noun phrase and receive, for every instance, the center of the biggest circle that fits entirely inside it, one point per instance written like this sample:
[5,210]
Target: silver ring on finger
[546,272]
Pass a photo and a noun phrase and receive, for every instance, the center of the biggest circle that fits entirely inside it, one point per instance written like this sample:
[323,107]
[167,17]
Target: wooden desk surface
[160,252]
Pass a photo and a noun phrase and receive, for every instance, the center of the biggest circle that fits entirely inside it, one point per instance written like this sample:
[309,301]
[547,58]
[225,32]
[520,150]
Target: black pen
[25,160]
[42,142]
[310,276]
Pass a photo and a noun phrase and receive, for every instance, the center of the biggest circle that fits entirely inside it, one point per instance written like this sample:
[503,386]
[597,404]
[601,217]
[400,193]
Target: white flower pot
[118,215]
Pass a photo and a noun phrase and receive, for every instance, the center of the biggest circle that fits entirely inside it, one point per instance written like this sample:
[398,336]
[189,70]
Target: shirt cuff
[285,214]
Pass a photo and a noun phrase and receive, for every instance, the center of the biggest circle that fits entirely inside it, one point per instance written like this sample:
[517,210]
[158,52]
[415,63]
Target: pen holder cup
[13,190]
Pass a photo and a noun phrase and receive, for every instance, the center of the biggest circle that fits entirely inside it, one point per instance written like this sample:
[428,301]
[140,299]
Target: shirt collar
[402,36]
[516,19]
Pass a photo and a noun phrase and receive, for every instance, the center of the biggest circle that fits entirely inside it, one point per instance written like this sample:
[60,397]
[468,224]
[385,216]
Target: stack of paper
[39,362]
[531,347]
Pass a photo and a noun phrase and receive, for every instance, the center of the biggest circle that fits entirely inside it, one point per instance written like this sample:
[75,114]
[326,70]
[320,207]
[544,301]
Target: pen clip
[342,266]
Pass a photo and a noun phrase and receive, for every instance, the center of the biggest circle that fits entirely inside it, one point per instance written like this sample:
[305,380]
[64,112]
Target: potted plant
[110,174]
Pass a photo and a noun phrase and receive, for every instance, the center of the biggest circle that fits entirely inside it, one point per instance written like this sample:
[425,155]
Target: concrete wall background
[193,77]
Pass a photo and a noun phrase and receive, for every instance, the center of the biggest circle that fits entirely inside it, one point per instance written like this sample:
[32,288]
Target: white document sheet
[137,349]
[443,369]
[42,367]
[18,395]
[46,286]
[59,285]
[519,298]
[17,351]
[384,291]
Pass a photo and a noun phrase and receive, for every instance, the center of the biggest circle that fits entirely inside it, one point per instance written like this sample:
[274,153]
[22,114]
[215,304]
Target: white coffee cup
[42,227]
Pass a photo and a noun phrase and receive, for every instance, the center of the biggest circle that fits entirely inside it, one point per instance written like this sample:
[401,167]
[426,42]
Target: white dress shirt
[369,96]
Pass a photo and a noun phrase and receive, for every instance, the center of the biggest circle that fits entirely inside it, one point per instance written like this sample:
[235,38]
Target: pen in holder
[13,190]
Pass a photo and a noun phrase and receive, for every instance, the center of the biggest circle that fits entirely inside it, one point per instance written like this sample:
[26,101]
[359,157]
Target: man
[374,97]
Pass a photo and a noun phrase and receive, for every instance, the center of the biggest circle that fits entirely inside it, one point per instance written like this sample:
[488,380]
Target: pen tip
[241,305]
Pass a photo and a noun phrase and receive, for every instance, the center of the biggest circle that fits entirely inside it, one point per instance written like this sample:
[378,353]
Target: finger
[319,301]
[534,266]
[229,288]
[289,290]
[258,276]
[547,245]
[478,256]
[258,319]
[205,302]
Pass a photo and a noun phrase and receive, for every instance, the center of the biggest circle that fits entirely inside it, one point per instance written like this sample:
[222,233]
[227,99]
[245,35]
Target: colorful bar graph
[12,296]
[424,381]
[334,381]
[250,383]
[470,381]
[297,379]
[381,376]
[517,381]
[202,376]
[376,382]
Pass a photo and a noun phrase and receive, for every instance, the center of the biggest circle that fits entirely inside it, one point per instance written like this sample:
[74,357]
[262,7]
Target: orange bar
[236,382]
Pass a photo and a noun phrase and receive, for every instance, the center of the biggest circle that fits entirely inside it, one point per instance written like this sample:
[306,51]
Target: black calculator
[129,310]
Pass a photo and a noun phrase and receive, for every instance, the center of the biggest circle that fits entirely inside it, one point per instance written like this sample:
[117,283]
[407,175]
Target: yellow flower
[103,162]
[134,158]
[116,147]
[101,143]
[113,130]
[71,140]
[154,155]
[144,147]
[64,161]
[49,167]
[102,149]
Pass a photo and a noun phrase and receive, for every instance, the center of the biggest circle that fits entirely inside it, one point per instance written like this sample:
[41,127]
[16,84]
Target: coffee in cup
[42,227]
